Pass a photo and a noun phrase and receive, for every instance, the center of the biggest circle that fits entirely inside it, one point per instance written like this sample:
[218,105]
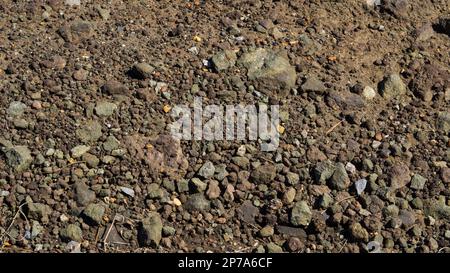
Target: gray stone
[39,211]
[368,93]
[392,86]
[111,144]
[151,230]
[71,233]
[418,182]
[207,170]
[292,178]
[273,248]
[89,132]
[264,174]
[143,70]
[18,157]
[113,87]
[408,218]
[359,233]
[224,60]
[20,123]
[16,109]
[309,46]
[168,231]
[94,212]
[83,194]
[325,200]
[104,13]
[197,202]
[247,212]
[313,84]
[443,122]
[198,185]
[292,231]
[323,171]
[183,185]
[339,179]
[266,231]
[270,68]
[127,191]
[73,2]
[105,108]
[36,229]
[399,175]
[79,150]
[154,191]
[301,214]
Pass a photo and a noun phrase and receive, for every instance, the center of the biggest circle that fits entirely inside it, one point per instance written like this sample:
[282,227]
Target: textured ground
[364,93]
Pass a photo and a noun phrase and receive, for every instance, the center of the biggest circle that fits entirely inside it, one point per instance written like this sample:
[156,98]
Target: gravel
[90,91]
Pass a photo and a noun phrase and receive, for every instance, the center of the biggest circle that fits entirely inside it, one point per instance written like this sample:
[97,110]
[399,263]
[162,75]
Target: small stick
[109,230]
[342,247]
[334,127]
[345,199]
[12,222]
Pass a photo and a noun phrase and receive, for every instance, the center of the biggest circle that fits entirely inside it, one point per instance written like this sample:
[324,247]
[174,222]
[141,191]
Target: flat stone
[323,171]
[197,202]
[264,174]
[247,212]
[111,143]
[271,69]
[392,87]
[19,158]
[301,214]
[16,109]
[127,191]
[79,150]
[292,231]
[198,184]
[339,179]
[83,194]
[224,60]
[143,70]
[105,108]
[150,233]
[399,175]
[292,178]
[418,182]
[72,233]
[39,211]
[207,170]
[312,84]
[113,87]
[94,213]
[89,132]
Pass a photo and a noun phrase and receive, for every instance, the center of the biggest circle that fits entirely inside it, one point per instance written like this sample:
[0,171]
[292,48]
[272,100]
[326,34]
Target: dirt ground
[87,163]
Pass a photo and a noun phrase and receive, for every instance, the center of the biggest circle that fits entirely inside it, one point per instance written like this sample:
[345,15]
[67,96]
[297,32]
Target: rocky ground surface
[87,164]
